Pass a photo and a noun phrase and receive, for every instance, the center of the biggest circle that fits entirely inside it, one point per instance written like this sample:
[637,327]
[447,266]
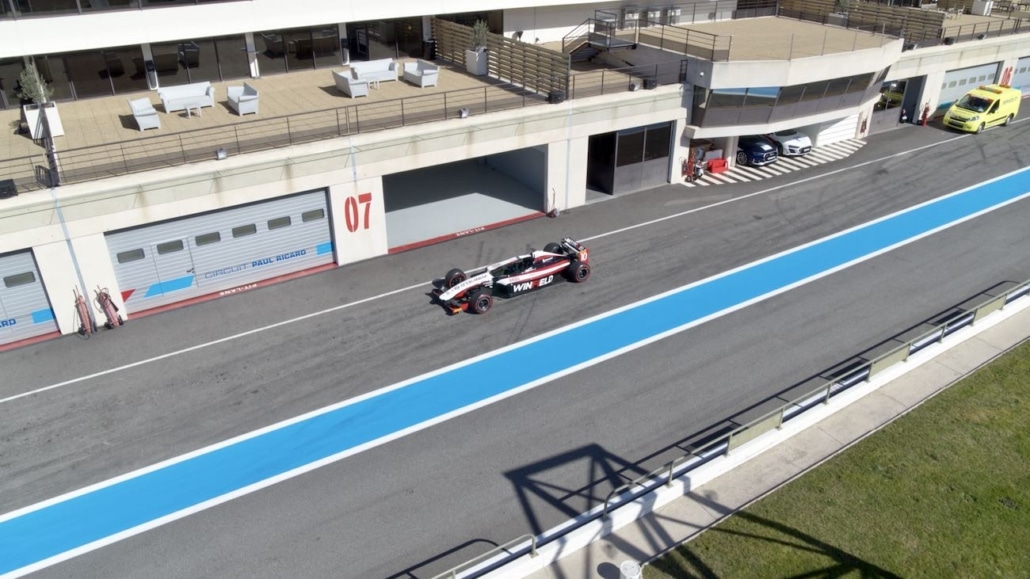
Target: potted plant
[476,57]
[34,93]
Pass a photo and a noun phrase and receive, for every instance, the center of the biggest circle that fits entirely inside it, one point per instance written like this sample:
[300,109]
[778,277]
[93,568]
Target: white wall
[527,166]
[369,239]
[567,173]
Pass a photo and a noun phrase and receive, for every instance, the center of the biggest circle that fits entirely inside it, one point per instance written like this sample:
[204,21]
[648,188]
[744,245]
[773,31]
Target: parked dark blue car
[755,151]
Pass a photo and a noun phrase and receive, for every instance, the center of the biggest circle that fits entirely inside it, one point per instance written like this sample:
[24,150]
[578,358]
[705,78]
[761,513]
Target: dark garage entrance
[629,160]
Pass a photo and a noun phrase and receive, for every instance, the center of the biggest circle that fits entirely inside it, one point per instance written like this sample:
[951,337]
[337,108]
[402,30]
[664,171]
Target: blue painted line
[326,247]
[42,316]
[30,536]
[169,286]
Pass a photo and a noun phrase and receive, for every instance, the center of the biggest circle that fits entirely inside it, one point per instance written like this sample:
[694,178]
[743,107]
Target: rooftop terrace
[101,138]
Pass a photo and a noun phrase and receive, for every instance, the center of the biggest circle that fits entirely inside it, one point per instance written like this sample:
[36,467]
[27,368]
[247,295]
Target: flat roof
[778,38]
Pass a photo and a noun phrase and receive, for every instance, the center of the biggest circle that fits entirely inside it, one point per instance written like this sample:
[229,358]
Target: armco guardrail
[726,444]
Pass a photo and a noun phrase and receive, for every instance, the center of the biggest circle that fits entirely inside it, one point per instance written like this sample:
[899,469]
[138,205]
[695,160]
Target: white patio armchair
[145,114]
[243,99]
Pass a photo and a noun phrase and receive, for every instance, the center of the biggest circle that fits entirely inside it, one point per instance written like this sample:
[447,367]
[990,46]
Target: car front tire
[481,302]
[454,277]
[741,158]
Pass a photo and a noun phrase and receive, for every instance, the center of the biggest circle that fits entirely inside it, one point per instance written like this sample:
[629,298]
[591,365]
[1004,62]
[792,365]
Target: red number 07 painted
[350,211]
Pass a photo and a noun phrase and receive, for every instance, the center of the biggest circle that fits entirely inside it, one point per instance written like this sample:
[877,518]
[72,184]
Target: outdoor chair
[349,85]
[243,99]
[145,114]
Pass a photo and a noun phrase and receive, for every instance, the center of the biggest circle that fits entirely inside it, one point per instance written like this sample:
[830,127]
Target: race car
[475,290]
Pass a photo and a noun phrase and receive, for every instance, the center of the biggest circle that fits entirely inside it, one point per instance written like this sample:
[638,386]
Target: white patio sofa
[421,73]
[381,70]
[243,99]
[177,98]
[349,85]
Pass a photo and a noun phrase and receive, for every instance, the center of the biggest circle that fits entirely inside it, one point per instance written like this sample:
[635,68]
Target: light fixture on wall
[221,154]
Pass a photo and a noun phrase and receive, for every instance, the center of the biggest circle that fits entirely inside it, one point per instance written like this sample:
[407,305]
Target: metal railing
[969,32]
[511,549]
[774,419]
[126,157]
[725,444]
[946,34]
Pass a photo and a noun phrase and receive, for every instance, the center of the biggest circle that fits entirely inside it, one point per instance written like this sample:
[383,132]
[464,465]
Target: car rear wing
[575,248]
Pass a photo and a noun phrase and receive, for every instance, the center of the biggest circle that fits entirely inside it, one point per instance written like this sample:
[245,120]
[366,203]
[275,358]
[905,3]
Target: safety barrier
[506,548]
[724,445]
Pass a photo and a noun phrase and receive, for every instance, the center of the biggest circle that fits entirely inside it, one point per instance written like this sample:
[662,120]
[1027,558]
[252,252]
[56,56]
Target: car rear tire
[481,302]
[741,158]
[553,248]
[980,129]
[579,272]
[454,277]
[1008,121]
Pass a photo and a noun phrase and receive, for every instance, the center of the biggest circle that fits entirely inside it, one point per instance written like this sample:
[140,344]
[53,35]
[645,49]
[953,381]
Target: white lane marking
[423,284]
[211,343]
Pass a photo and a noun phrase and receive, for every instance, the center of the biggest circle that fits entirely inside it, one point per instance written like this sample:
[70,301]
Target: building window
[131,256]
[169,247]
[19,279]
[208,238]
[279,223]
[313,215]
[244,230]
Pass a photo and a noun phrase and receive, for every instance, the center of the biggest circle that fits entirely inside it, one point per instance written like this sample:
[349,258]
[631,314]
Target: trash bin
[429,49]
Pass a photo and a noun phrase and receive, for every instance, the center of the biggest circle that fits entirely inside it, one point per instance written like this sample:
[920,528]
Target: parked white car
[790,143]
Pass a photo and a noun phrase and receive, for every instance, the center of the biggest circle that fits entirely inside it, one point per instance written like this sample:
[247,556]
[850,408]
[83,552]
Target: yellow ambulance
[986,106]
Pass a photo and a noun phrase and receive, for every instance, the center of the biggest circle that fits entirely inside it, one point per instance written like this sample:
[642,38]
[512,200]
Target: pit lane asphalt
[394,508]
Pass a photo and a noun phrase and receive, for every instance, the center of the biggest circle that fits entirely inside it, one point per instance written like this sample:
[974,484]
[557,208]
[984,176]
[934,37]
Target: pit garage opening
[443,202]
[629,160]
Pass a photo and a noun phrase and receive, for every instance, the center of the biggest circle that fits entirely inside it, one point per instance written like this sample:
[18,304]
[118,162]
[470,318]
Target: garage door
[24,308]
[959,82]
[835,132]
[1021,76]
[169,262]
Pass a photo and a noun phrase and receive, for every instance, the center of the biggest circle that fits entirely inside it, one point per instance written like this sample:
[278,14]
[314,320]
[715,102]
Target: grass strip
[942,492]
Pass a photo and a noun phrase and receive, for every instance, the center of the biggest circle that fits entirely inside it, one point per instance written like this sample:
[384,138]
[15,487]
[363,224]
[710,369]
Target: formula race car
[475,290]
